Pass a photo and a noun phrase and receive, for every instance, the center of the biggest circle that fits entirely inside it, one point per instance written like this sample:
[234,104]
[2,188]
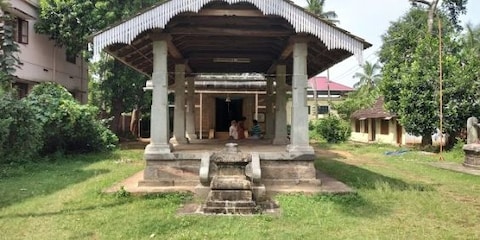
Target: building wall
[43,61]
[365,133]
[322,101]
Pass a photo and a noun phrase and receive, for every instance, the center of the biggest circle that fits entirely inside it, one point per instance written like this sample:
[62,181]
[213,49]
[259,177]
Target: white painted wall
[43,61]
[390,138]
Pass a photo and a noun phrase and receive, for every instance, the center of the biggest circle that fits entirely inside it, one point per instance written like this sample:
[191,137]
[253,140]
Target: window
[71,58]
[22,31]
[384,126]
[309,110]
[365,126]
[357,125]
[22,89]
[322,110]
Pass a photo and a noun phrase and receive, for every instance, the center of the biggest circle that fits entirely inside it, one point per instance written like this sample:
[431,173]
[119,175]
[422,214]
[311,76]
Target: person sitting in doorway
[256,131]
[241,128]
[232,131]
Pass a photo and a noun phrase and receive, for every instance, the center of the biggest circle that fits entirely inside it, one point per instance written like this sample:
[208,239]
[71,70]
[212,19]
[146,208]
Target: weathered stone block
[472,155]
[230,195]
[230,183]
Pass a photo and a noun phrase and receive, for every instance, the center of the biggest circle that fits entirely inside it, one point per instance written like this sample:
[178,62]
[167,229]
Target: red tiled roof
[376,111]
[321,84]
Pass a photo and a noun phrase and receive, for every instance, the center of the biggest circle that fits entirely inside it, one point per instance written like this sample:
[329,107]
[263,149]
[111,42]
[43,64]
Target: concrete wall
[43,61]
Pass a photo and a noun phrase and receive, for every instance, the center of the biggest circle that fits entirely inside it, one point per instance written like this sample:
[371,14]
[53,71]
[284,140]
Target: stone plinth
[167,170]
[472,155]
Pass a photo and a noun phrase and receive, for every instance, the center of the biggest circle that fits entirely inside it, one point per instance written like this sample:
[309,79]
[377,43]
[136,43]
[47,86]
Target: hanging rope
[441,85]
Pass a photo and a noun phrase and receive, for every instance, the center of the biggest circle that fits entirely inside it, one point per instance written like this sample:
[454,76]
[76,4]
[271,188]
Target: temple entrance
[226,111]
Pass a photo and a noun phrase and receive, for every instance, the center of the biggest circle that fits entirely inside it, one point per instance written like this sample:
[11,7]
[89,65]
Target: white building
[40,59]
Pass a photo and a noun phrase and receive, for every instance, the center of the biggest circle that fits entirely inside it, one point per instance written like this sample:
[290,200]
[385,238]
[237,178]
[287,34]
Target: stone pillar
[269,111]
[179,112]
[159,133]
[191,109]
[281,135]
[299,140]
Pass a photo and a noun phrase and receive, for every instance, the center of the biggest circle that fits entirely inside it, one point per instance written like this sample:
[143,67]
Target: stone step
[230,195]
[230,183]
[233,210]
[230,204]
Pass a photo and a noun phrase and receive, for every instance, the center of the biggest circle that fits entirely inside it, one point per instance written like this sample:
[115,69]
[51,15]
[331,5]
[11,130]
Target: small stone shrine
[234,181]
[472,148]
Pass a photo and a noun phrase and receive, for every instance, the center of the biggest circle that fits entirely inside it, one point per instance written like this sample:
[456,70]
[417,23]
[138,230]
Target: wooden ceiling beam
[286,52]
[219,31]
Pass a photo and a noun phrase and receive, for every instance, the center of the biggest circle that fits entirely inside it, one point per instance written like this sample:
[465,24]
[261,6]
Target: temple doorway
[227,109]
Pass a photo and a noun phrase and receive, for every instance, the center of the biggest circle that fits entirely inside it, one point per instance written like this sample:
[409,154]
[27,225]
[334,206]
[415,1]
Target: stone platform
[281,171]
[182,167]
[329,186]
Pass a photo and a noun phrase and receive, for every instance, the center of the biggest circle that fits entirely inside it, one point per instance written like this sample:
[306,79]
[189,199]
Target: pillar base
[177,141]
[153,149]
[191,136]
[300,149]
[280,141]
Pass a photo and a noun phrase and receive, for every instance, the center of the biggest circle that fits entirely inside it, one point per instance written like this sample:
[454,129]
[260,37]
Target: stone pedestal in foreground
[472,155]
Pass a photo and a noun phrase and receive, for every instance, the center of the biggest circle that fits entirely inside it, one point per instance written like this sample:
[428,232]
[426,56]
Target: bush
[19,131]
[333,129]
[67,125]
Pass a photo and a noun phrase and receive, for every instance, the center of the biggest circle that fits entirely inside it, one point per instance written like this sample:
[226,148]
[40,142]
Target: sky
[370,19]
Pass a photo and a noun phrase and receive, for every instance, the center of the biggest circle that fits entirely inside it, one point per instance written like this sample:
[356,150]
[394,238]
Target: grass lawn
[398,197]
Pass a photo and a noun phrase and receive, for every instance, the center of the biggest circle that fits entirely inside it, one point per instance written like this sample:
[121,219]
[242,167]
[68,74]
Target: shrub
[67,125]
[19,131]
[333,129]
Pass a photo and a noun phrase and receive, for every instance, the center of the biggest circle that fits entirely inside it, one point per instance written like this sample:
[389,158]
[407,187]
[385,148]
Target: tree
[118,88]
[8,52]
[453,8]
[410,57]
[366,92]
[316,7]
[471,38]
[70,22]
[369,78]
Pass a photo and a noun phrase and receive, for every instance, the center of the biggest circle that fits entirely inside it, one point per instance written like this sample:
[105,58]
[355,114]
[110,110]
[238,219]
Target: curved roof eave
[301,20]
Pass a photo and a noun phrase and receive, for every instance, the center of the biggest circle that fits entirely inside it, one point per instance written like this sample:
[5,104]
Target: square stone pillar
[190,118]
[159,133]
[269,111]
[281,134]
[299,140]
[179,111]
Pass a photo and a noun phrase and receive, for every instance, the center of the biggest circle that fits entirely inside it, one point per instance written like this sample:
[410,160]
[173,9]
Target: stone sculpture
[472,130]
[472,148]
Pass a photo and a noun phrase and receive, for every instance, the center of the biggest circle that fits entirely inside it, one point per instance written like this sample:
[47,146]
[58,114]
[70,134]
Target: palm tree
[316,7]
[369,78]
[472,37]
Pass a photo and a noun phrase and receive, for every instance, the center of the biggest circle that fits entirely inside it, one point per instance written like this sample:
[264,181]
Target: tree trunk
[117,109]
[426,139]
[431,14]
[451,140]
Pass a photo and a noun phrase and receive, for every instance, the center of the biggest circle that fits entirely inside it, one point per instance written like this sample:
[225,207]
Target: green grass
[397,197]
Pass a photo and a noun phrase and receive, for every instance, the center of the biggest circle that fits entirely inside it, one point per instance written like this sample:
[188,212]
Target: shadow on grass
[67,211]
[353,204]
[21,182]
[361,178]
